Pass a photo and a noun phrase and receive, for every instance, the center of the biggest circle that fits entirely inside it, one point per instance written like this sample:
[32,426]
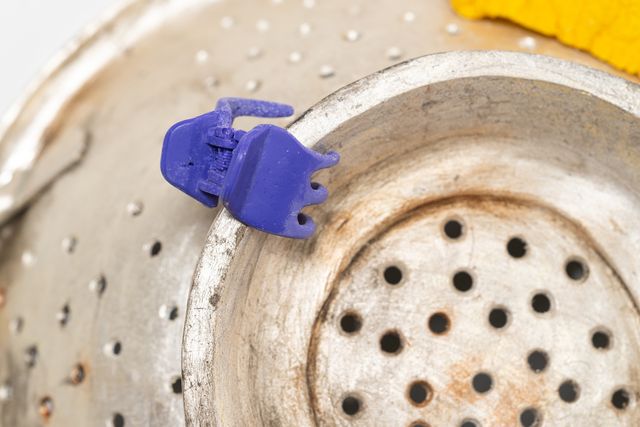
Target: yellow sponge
[609,29]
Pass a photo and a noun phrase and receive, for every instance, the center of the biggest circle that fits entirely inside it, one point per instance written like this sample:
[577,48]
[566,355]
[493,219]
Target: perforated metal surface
[95,274]
[417,311]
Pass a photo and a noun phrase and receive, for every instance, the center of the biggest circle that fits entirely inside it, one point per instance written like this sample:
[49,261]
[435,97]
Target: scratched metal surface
[97,251]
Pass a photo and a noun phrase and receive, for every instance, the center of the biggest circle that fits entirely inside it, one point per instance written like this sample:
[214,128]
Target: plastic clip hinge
[263,176]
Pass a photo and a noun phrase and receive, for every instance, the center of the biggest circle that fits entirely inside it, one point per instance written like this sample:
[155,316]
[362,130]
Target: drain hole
[530,417]
[569,391]
[113,348]
[46,407]
[391,342]
[620,399]
[392,275]
[439,323]
[302,219]
[155,248]
[351,323]
[176,385]
[31,356]
[538,361]
[462,281]
[351,405]
[77,374]
[541,303]
[63,315]
[419,393]
[601,339]
[453,229]
[516,247]
[498,318]
[576,270]
[470,423]
[482,382]
[117,420]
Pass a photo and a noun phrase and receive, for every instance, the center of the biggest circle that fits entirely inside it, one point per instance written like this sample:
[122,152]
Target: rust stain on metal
[499,204]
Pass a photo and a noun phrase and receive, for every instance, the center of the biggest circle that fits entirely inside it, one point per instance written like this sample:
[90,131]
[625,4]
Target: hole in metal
[516,247]
[45,408]
[569,391]
[482,382]
[351,322]
[541,303]
[113,348]
[63,315]
[419,393]
[117,420]
[530,417]
[77,374]
[453,229]
[302,219]
[31,356]
[601,339]
[155,248]
[351,405]
[176,385]
[391,342]
[392,275]
[576,270]
[498,318]
[620,399]
[315,185]
[538,361]
[439,323]
[462,281]
[469,423]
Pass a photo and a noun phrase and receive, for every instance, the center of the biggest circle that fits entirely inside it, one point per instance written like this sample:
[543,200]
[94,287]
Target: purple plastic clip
[263,176]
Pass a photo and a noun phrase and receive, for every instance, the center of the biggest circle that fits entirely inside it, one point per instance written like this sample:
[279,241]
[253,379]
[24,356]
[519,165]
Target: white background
[32,31]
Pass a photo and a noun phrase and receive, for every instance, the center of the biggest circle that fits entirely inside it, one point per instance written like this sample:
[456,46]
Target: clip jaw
[262,176]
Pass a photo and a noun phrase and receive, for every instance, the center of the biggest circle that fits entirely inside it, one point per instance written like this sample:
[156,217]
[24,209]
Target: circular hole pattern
[176,385]
[530,417]
[576,270]
[169,312]
[302,219]
[392,275]
[601,339]
[350,323]
[620,399]
[453,229]
[391,342]
[538,361]
[439,323]
[498,317]
[569,391]
[541,303]
[351,405]
[419,393]
[462,281]
[482,382]
[516,247]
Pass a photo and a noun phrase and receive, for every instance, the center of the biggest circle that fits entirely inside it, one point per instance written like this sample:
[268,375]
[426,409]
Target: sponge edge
[608,29]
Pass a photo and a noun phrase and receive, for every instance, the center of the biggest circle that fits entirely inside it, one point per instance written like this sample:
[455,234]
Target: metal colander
[474,265]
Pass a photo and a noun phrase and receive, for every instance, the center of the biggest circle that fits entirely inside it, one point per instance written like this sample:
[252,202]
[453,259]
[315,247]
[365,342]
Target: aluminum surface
[537,160]
[95,274]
